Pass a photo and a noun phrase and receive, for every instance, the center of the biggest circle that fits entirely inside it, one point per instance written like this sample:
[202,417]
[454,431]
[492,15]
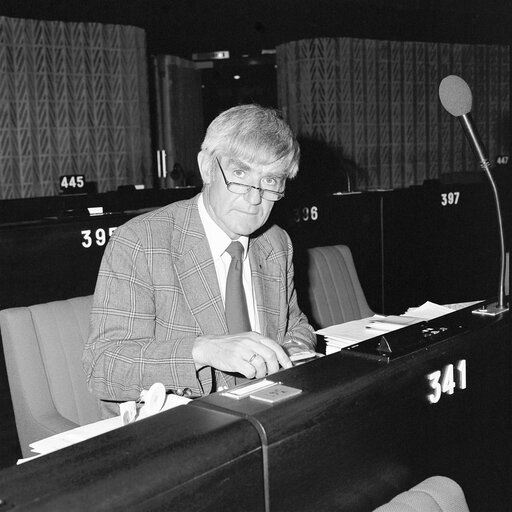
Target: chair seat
[335,293]
[435,494]
[43,347]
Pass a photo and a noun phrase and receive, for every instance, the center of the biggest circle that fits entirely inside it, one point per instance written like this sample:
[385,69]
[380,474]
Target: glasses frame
[277,195]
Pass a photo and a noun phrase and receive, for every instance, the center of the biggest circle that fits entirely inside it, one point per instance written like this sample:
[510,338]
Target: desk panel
[53,259]
[363,430]
[185,459]
[353,219]
[437,242]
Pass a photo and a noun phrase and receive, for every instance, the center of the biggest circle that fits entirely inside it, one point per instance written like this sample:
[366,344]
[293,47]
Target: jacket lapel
[266,278]
[196,273]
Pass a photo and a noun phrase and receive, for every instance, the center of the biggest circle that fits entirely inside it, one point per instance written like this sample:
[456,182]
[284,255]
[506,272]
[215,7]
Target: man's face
[239,214]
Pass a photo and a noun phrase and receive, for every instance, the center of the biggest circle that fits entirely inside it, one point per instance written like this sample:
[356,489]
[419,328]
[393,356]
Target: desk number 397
[446,380]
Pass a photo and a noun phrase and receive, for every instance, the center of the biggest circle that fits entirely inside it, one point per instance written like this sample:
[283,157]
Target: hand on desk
[248,353]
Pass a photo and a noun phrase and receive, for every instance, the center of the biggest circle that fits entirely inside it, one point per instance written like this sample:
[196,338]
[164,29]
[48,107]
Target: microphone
[456,98]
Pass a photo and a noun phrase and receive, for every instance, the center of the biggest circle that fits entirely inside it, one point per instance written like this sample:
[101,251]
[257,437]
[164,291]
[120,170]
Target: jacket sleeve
[122,355]
[300,334]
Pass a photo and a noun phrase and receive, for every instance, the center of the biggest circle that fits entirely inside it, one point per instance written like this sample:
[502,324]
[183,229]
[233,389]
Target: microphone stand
[500,306]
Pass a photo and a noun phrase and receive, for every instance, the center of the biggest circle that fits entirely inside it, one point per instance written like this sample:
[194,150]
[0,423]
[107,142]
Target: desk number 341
[446,380]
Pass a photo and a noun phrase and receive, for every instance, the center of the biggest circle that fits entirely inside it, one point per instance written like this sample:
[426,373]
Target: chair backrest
[43,347]
[435,494]
[335,293]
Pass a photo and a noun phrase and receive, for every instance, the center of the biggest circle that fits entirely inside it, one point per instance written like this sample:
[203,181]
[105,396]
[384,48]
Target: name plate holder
[265,390]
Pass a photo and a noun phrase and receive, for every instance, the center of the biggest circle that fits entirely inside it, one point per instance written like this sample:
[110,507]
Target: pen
[376,328]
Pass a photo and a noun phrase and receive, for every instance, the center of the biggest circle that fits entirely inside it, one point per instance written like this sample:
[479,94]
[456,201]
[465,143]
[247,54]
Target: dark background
[183,27]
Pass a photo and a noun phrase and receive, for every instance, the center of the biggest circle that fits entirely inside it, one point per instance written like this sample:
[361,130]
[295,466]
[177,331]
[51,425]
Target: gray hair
[255,135]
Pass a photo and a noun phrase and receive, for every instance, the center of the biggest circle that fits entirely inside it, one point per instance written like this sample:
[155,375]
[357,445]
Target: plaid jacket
[157,290]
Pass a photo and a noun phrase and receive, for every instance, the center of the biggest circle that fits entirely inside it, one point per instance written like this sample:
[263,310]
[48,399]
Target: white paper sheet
[76,435]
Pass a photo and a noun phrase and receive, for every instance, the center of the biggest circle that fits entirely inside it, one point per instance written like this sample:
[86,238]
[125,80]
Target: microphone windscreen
[455,95]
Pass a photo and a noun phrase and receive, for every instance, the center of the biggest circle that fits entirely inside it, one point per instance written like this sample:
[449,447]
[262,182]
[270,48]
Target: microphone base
[491,309]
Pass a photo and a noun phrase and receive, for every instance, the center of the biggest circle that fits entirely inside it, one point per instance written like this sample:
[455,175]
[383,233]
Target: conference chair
[334,291]
[435,494]
[43,350]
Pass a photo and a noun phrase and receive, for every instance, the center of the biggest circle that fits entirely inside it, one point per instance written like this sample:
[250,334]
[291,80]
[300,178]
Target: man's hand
[248,353]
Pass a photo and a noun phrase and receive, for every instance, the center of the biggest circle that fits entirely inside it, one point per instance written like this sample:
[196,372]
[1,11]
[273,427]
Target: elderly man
[166,307]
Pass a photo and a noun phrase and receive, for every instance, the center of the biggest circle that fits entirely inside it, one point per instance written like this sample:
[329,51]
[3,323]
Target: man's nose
[253,196]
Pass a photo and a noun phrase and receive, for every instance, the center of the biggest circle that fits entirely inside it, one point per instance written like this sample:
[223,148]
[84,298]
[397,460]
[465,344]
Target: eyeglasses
[240,188]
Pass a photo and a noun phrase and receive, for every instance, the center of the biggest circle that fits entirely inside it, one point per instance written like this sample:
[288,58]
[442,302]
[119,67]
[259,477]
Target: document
[346,334]
[349,333]
[76,435]
[393,322]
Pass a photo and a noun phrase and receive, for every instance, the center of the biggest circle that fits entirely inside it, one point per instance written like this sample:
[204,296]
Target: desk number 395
[446,380]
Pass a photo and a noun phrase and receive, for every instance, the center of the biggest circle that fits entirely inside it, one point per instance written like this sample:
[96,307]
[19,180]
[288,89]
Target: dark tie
[237,315]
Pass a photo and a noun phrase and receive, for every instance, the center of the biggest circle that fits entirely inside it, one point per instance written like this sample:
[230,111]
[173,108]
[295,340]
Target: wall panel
[375,104]
[73,100]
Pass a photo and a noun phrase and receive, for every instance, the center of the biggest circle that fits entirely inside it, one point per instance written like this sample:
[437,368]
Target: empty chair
[334,291]
[43,349]
[435,494]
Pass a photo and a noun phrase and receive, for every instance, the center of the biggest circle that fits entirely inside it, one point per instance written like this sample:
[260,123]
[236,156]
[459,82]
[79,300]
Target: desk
[361,431]
[437,242]
[184,459]
[55,250]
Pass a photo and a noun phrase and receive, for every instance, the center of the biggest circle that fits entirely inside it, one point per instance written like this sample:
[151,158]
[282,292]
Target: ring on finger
[252,358]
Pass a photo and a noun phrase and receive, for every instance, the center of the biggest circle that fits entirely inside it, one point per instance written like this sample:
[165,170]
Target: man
[159,307]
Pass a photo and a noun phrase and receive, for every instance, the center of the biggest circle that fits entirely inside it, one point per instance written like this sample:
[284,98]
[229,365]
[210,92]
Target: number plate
[99,237]
[446,381]
[72,184]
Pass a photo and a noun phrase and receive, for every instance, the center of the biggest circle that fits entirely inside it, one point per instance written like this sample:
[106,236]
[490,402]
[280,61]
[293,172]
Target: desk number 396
[446,380]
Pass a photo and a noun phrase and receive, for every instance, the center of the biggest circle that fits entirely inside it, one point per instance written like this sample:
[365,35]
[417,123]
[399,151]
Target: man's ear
[205,168]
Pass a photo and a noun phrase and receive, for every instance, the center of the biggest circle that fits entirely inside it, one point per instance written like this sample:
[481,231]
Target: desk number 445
[446,381]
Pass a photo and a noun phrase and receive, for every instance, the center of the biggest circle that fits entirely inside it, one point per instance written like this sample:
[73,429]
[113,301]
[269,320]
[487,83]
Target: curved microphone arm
[479,151]
[501,306]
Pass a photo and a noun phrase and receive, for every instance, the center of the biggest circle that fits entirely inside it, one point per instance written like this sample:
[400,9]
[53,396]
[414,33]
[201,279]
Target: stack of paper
[350,333]
[344,335]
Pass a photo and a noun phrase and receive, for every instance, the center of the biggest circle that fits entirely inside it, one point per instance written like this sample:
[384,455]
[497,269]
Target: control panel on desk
[391,345]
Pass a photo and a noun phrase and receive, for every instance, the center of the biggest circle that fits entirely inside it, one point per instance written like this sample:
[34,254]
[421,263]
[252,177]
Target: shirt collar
[217,239]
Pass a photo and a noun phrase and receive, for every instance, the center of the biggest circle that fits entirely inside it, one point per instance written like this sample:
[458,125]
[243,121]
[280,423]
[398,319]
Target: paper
[76,435]
[393,322]
[429,310]
[245,390]
[349,333]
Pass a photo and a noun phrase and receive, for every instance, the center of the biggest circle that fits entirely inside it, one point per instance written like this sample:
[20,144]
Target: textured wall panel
[375,104]
[74,99]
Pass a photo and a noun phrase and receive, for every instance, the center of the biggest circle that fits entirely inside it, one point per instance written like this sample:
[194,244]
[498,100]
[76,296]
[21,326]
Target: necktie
[237,315]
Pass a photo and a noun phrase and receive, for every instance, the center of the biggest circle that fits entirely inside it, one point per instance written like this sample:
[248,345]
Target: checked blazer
[157,290]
